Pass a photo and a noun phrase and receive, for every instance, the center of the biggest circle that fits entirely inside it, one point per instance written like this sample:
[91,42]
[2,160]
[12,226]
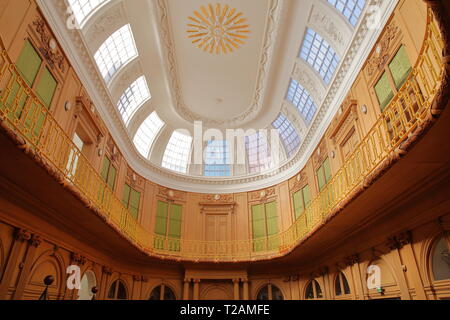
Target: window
[395,75]
[301,99]
[168,226]
[39,78]
[133,97]
[318,53]
[313,290]
[302,200]
[117,291]
[258,153]
[324,174]
[288,134]
[115,52]
[269,292]
[29,63]
[176,156]
[351,9]
[83,8]
[162,293]
[109,173]
[265,225]
[131,200]
[147,133]
[441,259]
[217,159]
[341,285]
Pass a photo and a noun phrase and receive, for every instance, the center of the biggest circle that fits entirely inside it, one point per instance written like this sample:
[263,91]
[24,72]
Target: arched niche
[47,264]
[88,281]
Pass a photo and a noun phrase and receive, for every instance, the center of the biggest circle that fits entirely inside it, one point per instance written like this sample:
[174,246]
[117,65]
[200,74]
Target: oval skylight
[146,134]
[288,134]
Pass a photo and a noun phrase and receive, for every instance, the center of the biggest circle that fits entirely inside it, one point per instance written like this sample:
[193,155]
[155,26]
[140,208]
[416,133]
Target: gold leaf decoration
[218,29]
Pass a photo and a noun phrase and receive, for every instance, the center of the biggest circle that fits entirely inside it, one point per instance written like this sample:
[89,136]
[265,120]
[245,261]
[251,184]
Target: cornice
[75,46]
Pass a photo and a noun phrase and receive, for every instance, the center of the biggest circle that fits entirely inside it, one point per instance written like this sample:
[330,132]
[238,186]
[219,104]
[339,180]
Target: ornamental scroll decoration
[380,57]
[49,48]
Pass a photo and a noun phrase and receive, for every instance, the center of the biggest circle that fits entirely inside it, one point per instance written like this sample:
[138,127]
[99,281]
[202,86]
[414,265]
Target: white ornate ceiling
[242,85]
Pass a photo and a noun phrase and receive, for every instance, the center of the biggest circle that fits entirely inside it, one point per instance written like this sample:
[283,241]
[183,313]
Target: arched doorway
[87,283]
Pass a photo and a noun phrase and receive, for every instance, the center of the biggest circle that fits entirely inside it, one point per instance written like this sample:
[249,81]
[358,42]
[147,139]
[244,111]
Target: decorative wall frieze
[380,57]
[320,155]
[35,240]
[49,47]
[104,25]
[218,197]
[299,181]
[107,270]
[135,180]
[343,122]
[351,260]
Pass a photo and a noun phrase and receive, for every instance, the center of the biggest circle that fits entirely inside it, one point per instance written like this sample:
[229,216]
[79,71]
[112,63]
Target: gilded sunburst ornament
[218,29]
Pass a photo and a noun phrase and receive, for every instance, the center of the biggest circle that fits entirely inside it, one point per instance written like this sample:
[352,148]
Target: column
[186,287]
[246,291]
[236,288]
[21,237]
[196,289]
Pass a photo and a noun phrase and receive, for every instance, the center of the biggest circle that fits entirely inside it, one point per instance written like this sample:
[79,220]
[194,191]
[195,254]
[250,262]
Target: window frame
[127,206]
[388,73]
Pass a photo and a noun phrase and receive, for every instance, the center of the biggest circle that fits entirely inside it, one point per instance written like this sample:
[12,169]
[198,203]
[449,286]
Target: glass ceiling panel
[351,9]
[116,52]
[301,99]
[176,156]
[217,159]
[133,97]
[288,134]
[319,54]
[147,133]
[82,9]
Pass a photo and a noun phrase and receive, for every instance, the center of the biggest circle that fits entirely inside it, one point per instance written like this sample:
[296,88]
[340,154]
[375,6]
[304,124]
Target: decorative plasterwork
[273,22]
[217,29]
[74,45]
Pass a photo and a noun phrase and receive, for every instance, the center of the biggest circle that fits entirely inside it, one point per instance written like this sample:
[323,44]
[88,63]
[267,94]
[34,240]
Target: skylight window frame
[300,98]
[78,9]
[254,149]
[116,52]
[351,14]
[320,55]
[147,134]
[178,153]
[217,166]
[288,134]
[133,98]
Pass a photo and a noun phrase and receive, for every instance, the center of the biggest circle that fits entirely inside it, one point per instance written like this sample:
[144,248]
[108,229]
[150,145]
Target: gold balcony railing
[23,112]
